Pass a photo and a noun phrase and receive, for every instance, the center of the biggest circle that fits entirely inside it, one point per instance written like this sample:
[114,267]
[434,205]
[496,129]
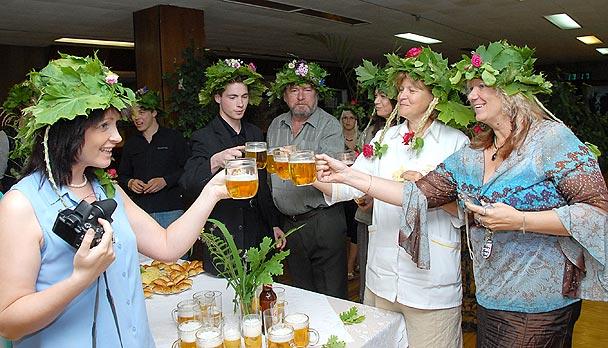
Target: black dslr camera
[72,224]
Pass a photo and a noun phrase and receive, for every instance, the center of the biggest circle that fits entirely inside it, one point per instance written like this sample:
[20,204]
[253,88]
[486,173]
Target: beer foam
[232,334]
[252,327]
[242,177]
[297,320]
[302,161]
[280,334]
[187,330]
[209,339]
[255,149]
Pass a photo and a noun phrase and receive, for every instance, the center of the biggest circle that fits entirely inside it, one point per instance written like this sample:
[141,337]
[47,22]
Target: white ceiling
[241,28]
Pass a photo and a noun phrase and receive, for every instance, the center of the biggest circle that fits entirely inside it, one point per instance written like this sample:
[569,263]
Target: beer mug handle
[175,344]
[174,314]
[313,333]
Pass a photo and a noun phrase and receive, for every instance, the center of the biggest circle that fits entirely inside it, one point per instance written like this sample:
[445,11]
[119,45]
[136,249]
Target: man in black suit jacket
[223,139]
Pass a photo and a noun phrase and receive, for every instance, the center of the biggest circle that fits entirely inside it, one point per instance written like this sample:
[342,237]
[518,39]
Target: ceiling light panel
[95,42]
[418,38]
[563,21]
[603,50]
[589,39]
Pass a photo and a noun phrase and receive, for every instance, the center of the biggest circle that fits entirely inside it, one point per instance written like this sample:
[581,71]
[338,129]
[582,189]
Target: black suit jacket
[247,220]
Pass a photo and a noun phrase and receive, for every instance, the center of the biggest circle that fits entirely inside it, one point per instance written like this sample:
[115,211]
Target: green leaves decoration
[372,78]
[502,65]
[299,72]
[69,87]
[226,71]
[148,99]
[244,271]
[429,67]
[334,342]
[380,149]
[351,316]
[106,182]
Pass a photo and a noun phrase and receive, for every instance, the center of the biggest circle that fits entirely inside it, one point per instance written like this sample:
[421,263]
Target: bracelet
[523,225]
[369,186]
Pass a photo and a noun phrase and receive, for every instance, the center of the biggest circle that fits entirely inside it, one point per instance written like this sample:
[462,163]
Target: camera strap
[112,307]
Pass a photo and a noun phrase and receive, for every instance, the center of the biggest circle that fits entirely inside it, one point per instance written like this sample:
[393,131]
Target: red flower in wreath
[476,60]
[368,150]
[477,128]
[413,52]
[112,173]
[407,137]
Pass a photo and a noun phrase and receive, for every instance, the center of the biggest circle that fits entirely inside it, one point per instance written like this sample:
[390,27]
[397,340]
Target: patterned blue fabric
[551,170]
[72,328]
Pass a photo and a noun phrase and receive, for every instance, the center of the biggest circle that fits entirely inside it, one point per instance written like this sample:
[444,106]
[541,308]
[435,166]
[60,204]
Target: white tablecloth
[380,329]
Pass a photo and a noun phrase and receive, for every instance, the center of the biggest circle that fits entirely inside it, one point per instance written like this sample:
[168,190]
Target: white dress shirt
[391,274]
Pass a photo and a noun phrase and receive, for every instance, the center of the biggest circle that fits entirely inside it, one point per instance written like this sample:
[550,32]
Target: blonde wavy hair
[522,113]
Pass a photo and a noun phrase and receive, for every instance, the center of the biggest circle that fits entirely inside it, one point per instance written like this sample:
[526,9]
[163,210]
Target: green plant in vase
[246,270]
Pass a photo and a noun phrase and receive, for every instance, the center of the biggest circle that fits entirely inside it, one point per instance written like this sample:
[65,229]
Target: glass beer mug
[252,330]
[241,178]
[301,330]
[209,337]
[346,157]
[257,150]
[280,336]
[187,310]
[302,169]
[281,163]
[270,161]
[186,333]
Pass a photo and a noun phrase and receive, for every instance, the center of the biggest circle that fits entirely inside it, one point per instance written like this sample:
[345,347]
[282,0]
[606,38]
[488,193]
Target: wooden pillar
[161,34]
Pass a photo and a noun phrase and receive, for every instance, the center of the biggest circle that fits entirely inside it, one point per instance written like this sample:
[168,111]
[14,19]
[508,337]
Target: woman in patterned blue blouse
[539,202]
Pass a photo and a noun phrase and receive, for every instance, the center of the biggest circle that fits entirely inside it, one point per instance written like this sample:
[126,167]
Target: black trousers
[530,330]
[317,259]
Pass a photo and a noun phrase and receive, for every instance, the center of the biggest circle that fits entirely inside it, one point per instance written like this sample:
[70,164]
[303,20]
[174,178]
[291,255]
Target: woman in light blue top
[54,295]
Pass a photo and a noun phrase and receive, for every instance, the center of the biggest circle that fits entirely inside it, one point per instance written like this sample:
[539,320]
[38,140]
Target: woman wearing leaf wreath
[49,291]
[233,85]
[539,235]
[429,299]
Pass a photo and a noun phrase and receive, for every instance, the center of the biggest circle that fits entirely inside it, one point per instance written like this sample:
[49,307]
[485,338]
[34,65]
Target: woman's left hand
[496,216]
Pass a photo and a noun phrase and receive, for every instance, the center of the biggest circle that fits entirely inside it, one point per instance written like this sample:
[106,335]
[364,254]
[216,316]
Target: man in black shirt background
[152,162]
[232,85]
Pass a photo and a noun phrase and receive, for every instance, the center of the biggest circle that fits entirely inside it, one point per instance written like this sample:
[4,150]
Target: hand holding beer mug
[186,310]
[186,333]
[280,336]
[257,150]
[301,330]
[209,337]
[241,178]
[302,167]
[252,330]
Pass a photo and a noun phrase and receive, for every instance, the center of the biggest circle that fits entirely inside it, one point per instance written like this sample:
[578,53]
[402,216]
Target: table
[381,328]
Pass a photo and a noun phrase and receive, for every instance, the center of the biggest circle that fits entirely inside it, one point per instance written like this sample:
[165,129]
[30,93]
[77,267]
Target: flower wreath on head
[429,67]
[147,99]
[226,71]
[299,72]
[502,65]
[70,87]
[354,107]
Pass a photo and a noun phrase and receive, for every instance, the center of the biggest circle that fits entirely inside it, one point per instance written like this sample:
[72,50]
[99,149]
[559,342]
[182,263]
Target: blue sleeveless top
[72,328]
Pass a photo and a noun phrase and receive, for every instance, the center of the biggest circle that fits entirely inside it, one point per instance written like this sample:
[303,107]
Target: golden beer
[209,337]
[261,157]
[232,338]
[257,150]
[282,169]
[252,331]
[270,163]
[186,310]
[280,336]
[186,332]
[242,186]
[302,172]
[301,331]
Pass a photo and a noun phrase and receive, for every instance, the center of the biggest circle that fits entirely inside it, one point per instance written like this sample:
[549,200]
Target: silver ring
[484,211]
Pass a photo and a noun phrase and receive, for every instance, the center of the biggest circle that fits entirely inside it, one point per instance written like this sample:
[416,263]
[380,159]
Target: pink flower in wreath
[476,60]
[111,78]
[407,137]
[413,52]
[112,173]
[477,129]
[252,67]
[368,150]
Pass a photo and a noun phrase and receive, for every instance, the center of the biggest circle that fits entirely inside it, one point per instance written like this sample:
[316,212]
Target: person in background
[53,294]
[429,299]
[232,85]
[152,162]
[539,202]
[373,81]
[317,259]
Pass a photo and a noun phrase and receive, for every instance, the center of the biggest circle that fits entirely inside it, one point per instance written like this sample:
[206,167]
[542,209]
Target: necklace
[347,139]
[81,185]
[497,148]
